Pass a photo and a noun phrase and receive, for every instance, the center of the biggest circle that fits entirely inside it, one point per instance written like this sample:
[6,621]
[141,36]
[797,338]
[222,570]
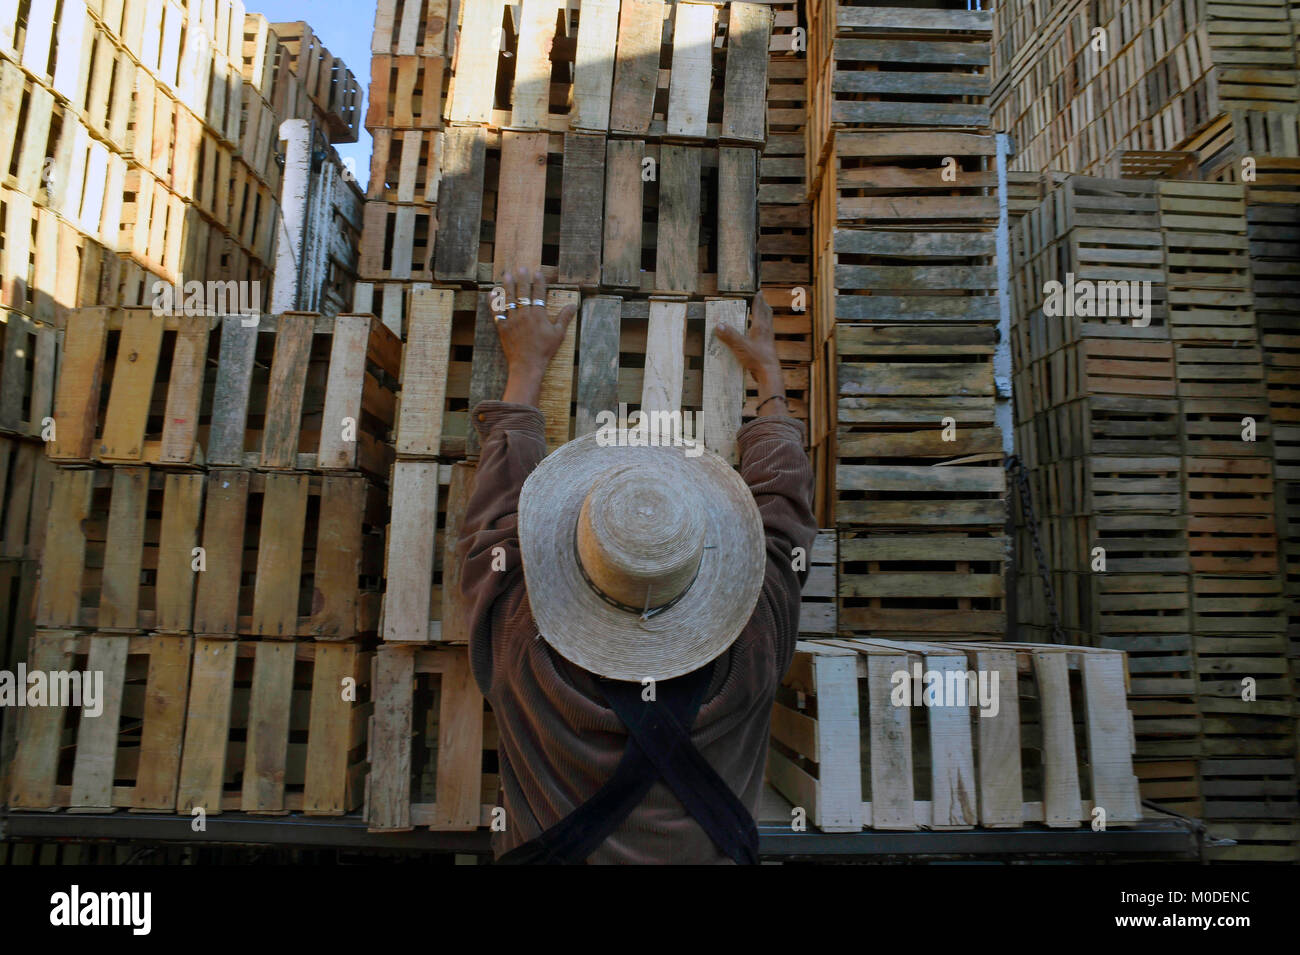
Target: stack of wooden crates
[166,432]
[903,173]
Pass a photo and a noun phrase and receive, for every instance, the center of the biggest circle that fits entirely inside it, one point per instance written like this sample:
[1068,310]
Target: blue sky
[345,30]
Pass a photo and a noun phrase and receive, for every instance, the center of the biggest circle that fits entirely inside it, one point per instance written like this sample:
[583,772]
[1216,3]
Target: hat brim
[601,638]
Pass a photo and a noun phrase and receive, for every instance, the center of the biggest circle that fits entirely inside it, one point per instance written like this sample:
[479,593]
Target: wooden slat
[737,219]
[531,95]
[1062,806]
[178,536]
[266,747]
[744,100]
[284,398]
[424,373]
[839,784]
[691,79]
[1000,798]
[207,726]
[64,563]
[454,623]
[230,396]
[521,204]
[410,551]
[164,721]
[593,68]
[341,416]
[952,762]
[636,70]
[96,756]
[478,42]
[279,554]
[487,374]
[329,730]
[597,362]
[621,262]
[216,602]
[1110,742]
[460,204]
[665,358]
[76,399]
[185,392]
[724,380]
[677,258]
[132,388]
[892,789]
[557,383]
[460,747]
[388,796]
[338,556]
[36,760]
[581,210]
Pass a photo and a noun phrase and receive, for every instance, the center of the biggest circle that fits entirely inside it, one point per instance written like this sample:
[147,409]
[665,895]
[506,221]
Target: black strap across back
[659,746]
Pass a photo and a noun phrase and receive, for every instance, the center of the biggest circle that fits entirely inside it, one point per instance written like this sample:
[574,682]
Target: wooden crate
[290,555]
[129,756]
[304,391]
[275,727]
[1058,746]
[325,79]
[602,74]
[432,743]
[118,550]
[665,234]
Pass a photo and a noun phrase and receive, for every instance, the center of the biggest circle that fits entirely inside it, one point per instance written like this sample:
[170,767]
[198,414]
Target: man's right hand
[529,336]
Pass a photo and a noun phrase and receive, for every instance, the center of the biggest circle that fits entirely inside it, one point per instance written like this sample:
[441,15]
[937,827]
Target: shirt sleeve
[513,442]
[776,468]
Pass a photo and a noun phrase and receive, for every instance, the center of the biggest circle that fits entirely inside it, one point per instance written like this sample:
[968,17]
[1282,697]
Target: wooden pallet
[18,580]
[602,74]
[325,79]
[274,727]
[662,235]
[315,545]
[862,762]
[129,756]
[432,745]
[899,67]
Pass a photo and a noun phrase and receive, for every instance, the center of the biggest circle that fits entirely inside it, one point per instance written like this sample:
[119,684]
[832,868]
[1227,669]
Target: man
[632,611]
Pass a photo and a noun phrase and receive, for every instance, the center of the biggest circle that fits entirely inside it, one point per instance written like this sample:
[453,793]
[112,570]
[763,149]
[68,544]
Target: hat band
[645,613]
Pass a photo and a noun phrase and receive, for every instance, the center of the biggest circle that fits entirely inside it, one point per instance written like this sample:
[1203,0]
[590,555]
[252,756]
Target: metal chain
[1020,475]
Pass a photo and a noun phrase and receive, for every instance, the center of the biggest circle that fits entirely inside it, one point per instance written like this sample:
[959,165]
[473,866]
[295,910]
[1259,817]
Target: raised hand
[529,336]
[756,352]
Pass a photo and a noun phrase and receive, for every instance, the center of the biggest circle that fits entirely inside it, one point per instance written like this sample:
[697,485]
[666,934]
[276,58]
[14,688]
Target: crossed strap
[659,746]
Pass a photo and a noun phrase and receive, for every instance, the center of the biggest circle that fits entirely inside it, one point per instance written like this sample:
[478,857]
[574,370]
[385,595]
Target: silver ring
[511,305]
[536,301]
[500,318]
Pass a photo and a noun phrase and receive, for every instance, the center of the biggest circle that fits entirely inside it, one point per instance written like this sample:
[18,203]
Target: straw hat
[639,561]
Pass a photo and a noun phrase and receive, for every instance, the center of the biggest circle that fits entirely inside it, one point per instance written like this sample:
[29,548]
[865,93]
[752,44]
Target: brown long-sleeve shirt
[559,740]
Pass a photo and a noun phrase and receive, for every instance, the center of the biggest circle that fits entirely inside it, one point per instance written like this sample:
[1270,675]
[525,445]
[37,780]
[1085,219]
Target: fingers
[733,340]
[524,285]
[761,312]
[508,283]
[566,316]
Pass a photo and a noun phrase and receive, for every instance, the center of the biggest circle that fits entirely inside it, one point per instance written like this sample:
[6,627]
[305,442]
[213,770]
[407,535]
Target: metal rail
[1164,838]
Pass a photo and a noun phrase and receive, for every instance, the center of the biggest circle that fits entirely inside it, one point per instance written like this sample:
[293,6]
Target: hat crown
[640,540]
